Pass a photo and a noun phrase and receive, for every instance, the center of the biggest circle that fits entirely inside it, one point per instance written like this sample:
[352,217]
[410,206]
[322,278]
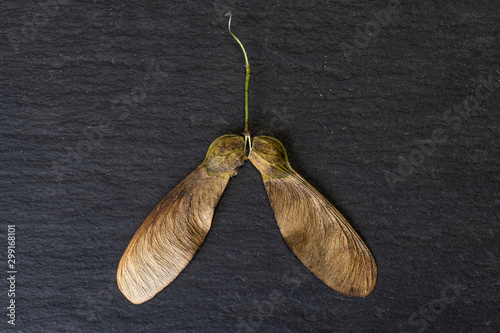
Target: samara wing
[315,231]
[172,233]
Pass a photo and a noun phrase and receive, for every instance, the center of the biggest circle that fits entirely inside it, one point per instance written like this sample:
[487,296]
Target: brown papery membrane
[316,232]
[172,233]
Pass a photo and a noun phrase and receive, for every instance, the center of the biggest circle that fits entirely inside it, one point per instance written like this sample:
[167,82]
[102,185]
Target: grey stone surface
[107,105]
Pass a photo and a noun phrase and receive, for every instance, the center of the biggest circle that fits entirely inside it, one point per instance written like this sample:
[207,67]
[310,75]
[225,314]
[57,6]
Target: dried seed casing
[172,233]
[316,232]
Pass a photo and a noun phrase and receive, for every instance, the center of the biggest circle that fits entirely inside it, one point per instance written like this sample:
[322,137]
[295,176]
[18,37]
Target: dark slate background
[106,106]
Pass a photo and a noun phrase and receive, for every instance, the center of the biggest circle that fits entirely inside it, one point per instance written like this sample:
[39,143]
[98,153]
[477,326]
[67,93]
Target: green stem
[246,131]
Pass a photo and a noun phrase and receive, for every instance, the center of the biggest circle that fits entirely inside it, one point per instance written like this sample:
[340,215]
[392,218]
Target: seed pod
[316,232]
[172,233]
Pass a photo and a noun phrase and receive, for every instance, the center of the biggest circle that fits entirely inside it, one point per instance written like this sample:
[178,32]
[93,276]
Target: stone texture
[107,105]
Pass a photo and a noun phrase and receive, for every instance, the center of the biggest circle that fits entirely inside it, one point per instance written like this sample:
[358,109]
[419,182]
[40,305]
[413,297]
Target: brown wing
[315,231]
[172,233]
